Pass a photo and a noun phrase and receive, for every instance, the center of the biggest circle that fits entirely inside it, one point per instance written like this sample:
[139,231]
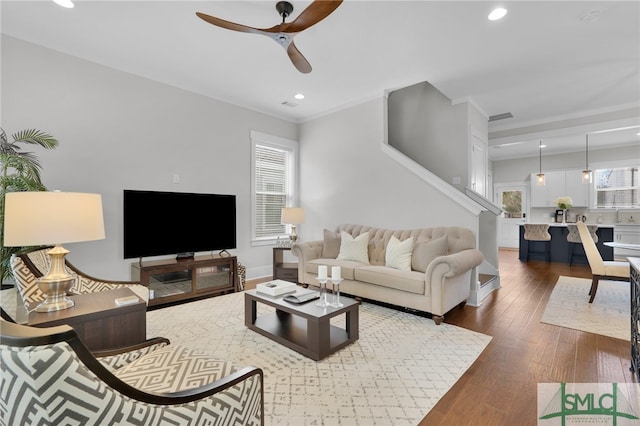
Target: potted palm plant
[19,171]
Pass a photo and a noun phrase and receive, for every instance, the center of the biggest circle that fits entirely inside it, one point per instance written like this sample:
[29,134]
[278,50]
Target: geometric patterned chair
[49,377]
[28,266]
[601,269]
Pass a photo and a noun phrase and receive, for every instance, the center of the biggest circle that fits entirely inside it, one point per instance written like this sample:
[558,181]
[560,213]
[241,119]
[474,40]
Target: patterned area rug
[393,375]
[608,315]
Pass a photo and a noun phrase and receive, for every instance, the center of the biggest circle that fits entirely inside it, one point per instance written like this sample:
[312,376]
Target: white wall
[119,131]
[346,178]
[428,129]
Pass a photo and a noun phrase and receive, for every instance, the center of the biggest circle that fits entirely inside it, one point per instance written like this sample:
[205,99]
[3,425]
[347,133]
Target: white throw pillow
[356,249]
[398,253]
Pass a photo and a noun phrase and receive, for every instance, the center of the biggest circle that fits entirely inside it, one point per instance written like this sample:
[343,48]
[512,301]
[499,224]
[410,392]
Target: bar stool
[573,238]
[534,232]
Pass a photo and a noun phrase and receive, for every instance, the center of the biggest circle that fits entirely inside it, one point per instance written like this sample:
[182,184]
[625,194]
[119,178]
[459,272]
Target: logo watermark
[616,404]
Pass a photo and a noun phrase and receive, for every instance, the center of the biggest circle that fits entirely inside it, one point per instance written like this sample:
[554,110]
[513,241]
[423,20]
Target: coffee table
[305,328]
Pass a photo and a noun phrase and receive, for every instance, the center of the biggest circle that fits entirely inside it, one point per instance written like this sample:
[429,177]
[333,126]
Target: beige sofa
[439,278]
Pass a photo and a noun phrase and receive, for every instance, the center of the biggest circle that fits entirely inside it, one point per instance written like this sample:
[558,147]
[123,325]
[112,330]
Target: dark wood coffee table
[98,321]
[304,328]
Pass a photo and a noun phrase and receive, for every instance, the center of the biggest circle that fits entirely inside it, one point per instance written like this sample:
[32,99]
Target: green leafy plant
[19,171]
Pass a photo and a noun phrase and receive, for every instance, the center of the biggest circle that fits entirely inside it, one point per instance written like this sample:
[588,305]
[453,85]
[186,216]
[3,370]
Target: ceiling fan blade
[228,25]
[299,61]
[314,13]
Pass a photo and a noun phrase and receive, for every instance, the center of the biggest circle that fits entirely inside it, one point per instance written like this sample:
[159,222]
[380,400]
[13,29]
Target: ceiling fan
[284,33]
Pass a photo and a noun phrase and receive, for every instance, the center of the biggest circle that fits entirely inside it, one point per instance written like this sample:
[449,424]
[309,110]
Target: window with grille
[616,187]
[274,170]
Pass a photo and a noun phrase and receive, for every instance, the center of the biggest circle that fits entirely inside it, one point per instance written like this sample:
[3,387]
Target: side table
[282,270]
[99,322]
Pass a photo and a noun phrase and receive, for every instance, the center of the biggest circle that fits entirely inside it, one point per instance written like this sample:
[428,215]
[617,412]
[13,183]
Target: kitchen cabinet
[627,234]
[578,191]
[559,184]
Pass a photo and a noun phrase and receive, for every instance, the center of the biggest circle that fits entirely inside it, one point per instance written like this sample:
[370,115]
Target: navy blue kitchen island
[560,247]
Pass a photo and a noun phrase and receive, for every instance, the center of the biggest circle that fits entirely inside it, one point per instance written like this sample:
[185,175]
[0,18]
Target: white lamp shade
[49,218]
[292,215]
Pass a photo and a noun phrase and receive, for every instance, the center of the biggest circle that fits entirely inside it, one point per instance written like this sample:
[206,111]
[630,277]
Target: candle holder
[336,293]
[322,302]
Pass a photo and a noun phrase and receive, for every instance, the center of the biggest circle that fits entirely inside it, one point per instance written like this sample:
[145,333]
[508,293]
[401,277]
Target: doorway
[512,200]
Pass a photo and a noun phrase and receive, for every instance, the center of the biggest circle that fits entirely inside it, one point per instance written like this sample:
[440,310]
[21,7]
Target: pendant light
[540,176]
[586,173]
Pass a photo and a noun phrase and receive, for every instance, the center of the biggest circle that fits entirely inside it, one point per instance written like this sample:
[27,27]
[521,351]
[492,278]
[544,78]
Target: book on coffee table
[302,296]
[276,287]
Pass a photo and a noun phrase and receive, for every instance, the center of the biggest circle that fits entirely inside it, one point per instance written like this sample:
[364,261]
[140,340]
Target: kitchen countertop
[599,225]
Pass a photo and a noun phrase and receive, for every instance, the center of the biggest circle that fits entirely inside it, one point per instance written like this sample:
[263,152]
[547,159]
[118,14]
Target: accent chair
[48,376]
[601,269]
[32,264]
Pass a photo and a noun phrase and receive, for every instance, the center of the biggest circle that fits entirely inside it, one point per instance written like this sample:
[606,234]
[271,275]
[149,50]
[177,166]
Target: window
[617,187]
[274,176]
[512,204]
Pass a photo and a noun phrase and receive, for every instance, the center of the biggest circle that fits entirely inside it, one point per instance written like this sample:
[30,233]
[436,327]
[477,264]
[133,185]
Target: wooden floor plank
[501,387]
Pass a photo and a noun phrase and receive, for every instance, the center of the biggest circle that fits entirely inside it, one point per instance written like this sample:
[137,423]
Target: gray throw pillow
[424,252]
[331,245]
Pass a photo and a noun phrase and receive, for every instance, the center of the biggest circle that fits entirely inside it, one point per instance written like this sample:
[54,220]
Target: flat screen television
[160,223]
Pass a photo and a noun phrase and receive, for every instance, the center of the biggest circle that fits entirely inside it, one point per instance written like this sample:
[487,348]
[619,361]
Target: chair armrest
[182,397]
[117,358]
[101,280]
[161,341]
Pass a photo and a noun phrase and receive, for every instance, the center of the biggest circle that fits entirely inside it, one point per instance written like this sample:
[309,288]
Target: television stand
[178,280]
[186,255]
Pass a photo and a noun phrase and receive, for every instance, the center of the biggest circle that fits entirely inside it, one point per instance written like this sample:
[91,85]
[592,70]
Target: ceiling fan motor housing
[284,9]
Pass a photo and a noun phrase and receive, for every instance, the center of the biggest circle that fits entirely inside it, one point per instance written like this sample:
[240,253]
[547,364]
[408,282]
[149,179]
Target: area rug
[393,375]
[608,315]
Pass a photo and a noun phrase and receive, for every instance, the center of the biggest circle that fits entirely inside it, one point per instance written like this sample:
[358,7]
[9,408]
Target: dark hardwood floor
[500,388]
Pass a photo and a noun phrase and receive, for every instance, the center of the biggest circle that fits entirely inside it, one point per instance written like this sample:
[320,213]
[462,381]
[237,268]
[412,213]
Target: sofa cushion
[330,244]
[424,252]
[410,281]
[354,249]
[346,267]
[398,253]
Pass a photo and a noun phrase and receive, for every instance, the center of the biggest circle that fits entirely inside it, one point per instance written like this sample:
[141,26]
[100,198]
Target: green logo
[586,400]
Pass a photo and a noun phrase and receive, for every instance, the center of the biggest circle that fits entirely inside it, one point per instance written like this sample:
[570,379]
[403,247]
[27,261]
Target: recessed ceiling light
[299,96]
[64,3]
[497,13]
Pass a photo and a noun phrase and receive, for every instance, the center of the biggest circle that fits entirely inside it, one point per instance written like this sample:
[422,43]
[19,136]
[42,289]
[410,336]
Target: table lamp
[292,216]
[53,218]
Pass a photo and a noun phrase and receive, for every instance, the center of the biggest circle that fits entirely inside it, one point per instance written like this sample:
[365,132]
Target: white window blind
[274,177]
[271,190]
[617,187]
